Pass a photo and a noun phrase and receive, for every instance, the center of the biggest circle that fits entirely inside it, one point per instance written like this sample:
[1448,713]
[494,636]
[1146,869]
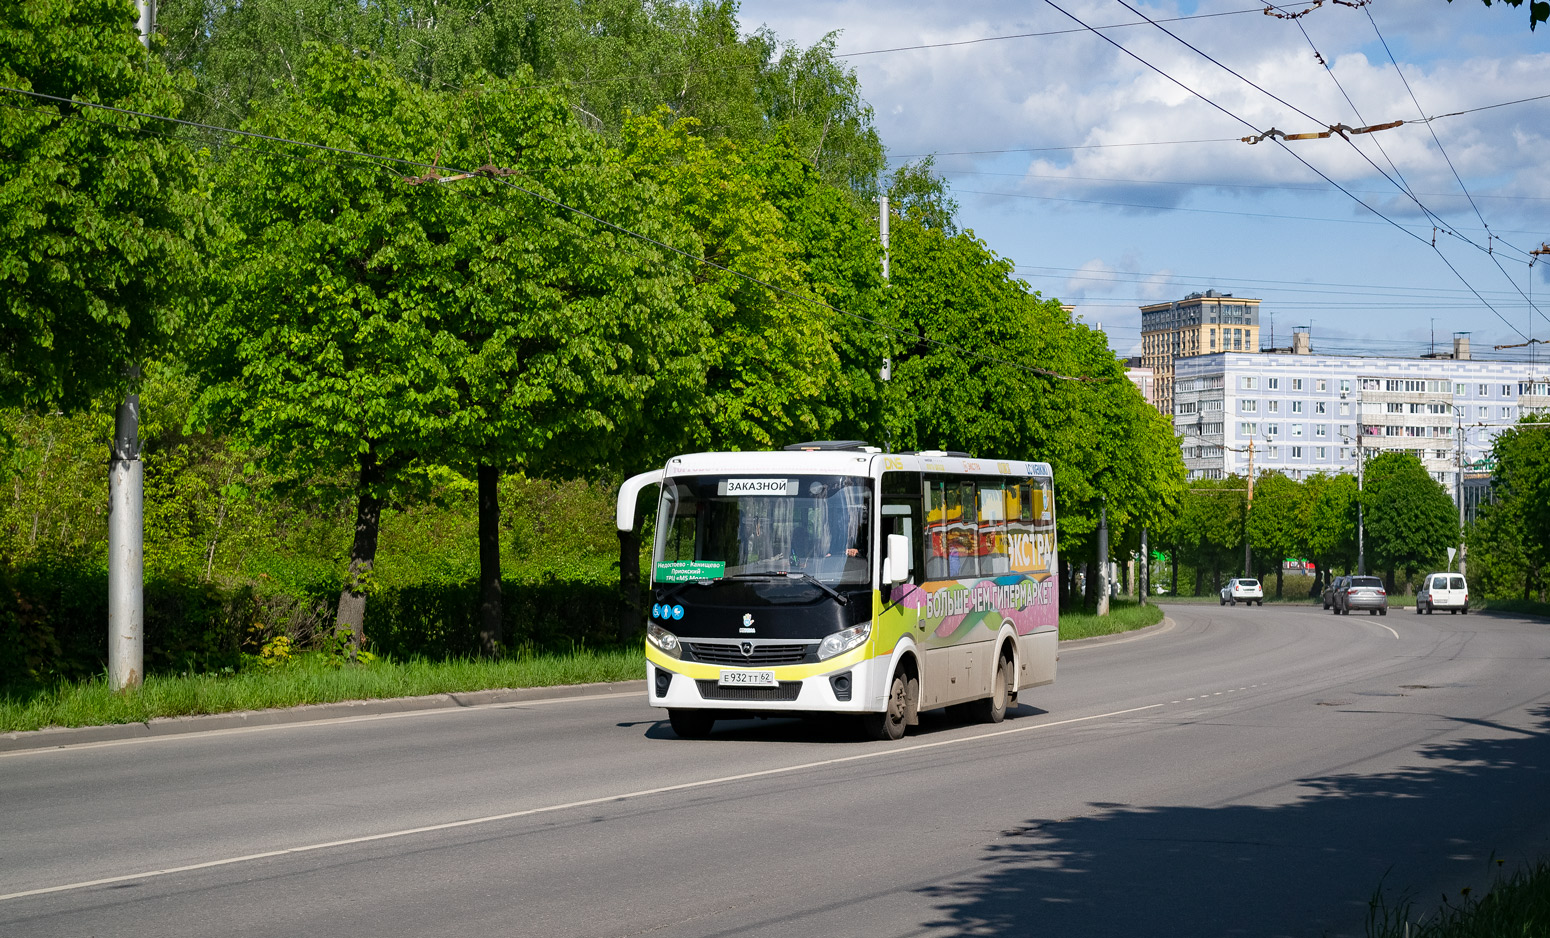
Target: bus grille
[788,690]
[713,653]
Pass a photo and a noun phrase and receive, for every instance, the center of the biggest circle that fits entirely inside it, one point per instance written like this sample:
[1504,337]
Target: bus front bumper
[847,683]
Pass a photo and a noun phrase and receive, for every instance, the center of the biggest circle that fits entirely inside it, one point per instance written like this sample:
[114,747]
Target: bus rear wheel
[992,709]
[691,724]
[891,723]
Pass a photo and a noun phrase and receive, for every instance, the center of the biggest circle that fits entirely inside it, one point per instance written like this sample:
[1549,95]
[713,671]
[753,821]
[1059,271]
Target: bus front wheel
[890,724]
[691,724]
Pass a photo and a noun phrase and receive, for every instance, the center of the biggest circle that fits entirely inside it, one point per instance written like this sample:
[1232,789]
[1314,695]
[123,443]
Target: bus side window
[935,529]
[992,529]
[963,530]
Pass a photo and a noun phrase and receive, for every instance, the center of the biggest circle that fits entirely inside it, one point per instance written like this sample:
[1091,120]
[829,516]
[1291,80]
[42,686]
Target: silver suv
[1443,591]
[1362,592]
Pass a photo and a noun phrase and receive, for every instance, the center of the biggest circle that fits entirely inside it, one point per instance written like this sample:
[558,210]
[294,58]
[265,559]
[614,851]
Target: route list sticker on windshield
[730,487]
[682,571]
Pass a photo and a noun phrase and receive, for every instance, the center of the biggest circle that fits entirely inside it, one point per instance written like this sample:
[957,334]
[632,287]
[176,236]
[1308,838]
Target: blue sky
[1136,217]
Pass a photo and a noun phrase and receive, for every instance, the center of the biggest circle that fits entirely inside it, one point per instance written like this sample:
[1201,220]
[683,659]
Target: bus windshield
[710,527]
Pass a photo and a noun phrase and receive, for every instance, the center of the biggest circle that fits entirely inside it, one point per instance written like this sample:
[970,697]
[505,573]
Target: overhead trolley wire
[435,168]
[1437,140]
[1282,144]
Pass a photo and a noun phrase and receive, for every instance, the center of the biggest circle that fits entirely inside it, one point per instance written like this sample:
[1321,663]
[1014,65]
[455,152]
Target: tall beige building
[1199,324]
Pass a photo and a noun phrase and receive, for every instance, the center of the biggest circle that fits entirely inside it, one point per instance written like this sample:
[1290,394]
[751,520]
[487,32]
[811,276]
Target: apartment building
[1306,413]
[1200,324]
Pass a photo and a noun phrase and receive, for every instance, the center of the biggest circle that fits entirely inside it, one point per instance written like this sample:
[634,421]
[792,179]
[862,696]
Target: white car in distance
[1243,590]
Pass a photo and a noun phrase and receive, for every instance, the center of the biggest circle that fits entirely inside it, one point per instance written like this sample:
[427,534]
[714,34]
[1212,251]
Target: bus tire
[992,709]
[691,724]
[891,723]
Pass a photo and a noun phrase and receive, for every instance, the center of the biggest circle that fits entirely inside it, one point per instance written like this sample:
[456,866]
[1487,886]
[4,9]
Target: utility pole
[1103,557]
[1146,566]
[1458,482]
[1248,552]
[126,514]
[882,229]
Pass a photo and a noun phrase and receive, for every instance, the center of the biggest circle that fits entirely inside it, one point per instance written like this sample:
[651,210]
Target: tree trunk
[490,604]
[1090,582]
[1389,586]
[1065,583]
[1279,571]
[351,619]
[1173,558]
[1200,571]
[1318,580]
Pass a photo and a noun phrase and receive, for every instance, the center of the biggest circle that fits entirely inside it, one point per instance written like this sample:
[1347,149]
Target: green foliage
[1329,520]
[1410,519]
[607,58]
[1538,10]
[1274,526]
[104,214]
[1516,906]
[1509,541]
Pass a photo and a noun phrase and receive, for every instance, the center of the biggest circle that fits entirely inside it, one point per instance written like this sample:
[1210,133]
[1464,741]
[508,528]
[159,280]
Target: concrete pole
[882,229]
[1248,552]
[1103,558]
[126,515]
[1361,465]
[1459,487]
[1146,567]
[126,555]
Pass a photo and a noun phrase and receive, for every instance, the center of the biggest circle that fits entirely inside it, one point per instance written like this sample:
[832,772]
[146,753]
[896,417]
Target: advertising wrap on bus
[848,581]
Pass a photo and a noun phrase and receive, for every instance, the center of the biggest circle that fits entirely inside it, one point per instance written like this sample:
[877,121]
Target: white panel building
[1305,413]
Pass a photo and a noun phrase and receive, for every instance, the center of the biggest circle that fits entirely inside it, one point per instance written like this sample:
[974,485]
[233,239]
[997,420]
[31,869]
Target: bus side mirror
[896,566]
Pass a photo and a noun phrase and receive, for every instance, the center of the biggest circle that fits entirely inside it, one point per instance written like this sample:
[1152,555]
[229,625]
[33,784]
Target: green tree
[1210,525]
[1410,519]
[1275,521]
[103,218]
[608,58]
[1510,540]
[1328,523]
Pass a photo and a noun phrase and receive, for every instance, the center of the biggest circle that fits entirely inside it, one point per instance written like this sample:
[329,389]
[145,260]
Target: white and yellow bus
[833,577]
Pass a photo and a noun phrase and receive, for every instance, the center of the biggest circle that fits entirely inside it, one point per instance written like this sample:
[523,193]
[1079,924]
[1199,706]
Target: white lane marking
[1395,634]
[547,809]
[327,721]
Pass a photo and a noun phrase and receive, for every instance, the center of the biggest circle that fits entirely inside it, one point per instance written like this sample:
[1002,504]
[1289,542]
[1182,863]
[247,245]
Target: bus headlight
[663,639]
[844,640]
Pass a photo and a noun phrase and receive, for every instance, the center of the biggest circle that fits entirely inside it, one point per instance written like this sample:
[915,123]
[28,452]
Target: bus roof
[851,462]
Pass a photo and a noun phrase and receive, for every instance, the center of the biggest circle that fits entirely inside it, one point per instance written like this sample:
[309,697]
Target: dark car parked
[1362,592]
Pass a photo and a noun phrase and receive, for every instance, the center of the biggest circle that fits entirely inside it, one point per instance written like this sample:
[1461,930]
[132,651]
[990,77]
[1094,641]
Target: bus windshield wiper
[677,588]
[843,599]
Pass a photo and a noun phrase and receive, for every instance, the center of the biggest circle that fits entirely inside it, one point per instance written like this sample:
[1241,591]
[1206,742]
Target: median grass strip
[1124,616]
[1517,906]
[310,679]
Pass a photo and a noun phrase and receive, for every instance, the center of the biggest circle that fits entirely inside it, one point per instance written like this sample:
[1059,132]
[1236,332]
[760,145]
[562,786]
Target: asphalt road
[1247,771]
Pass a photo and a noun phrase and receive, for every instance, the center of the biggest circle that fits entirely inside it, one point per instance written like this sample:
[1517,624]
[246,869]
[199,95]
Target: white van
[1443,591]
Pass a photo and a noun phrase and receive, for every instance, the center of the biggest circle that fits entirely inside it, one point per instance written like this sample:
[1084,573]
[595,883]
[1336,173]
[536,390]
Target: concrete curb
[54,737]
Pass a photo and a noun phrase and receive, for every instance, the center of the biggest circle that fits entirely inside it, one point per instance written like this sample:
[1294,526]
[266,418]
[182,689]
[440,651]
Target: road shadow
[821,727]
[1306,869]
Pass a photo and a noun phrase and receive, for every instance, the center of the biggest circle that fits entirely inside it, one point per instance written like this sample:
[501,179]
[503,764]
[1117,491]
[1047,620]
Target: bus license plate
[748,679]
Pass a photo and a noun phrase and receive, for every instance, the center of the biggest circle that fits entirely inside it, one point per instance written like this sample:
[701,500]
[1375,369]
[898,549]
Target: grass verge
[1518,905]
[317,678]
[1124,616]
[311,679]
